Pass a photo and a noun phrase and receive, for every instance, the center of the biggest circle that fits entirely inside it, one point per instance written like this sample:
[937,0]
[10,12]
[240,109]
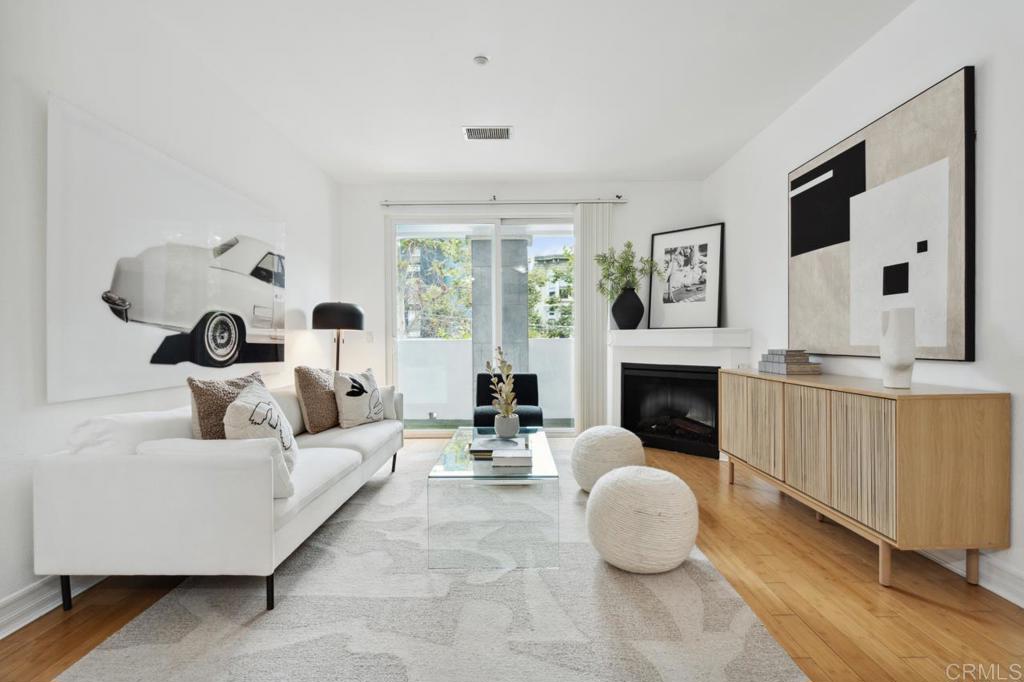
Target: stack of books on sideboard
[788,361]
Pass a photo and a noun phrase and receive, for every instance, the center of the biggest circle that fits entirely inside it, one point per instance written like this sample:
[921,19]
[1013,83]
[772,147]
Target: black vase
[628,309]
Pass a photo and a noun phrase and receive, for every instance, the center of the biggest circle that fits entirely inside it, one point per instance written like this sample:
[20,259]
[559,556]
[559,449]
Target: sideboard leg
[732,472]
[973,566]
[884,564]
[819,517]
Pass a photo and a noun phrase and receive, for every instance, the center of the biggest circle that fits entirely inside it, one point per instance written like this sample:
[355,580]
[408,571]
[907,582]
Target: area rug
[357,602]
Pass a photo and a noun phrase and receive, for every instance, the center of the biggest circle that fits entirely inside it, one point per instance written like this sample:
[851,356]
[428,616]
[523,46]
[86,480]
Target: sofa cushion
[315,390]
[358,398]
[387,397]
[210,400]
[317,470]
[366,439]
[255,414]
[271,447]
[120,434]
[289,402]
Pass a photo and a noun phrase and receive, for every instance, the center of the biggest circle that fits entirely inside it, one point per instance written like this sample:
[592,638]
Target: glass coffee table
[480,516]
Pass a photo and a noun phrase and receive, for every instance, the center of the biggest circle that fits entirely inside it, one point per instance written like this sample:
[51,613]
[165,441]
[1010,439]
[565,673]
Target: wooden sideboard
[920,468]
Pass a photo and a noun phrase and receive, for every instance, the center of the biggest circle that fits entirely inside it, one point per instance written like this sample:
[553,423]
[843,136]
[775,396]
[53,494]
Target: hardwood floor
[51,644]
[812,583]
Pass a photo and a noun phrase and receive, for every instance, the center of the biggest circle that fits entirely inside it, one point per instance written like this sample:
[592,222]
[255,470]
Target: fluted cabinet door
[863,460]
[765,420]
[732,418]
[807,440]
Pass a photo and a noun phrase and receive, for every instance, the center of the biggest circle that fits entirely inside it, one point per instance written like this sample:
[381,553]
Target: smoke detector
[481,60]
[487,132]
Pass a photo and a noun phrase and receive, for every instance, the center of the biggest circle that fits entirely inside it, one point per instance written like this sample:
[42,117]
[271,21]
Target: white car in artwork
[223,297]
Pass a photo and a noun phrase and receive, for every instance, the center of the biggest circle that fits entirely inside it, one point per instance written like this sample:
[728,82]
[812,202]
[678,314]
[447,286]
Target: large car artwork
[225,302]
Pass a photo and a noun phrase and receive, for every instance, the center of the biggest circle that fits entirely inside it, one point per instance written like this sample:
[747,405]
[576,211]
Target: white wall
[930,40]
[652,207]
[110,58]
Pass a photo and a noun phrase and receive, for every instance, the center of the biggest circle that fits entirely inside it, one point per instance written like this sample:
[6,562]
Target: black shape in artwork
[896,279]
[178,348]
[922,246]
[820,215]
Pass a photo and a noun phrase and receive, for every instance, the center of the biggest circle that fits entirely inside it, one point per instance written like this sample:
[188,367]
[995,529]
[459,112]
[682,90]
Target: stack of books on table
[484,447]
[511,458]
[788,361]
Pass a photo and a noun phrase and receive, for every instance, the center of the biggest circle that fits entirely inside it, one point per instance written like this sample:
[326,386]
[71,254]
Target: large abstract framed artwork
[688,293]
[885,219]
[154,271]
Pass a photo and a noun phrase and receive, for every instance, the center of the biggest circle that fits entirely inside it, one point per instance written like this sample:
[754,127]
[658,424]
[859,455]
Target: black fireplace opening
[673,407]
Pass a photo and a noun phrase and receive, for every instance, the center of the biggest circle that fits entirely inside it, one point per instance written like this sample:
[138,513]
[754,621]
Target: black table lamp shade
[337,316]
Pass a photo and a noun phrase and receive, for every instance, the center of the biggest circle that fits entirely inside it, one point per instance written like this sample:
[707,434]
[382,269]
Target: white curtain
[593,236]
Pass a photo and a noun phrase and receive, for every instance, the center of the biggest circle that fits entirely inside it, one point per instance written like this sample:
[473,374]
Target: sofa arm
[399,406]
[157,514]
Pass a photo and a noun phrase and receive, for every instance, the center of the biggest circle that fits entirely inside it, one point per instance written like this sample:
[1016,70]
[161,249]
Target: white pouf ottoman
[600,449]
[642,520]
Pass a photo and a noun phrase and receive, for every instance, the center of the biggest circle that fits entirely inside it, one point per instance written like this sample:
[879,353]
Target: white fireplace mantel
[718,347]
[719,337]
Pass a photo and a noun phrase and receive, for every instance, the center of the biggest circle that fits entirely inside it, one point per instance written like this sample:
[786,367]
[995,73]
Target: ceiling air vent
[488,132]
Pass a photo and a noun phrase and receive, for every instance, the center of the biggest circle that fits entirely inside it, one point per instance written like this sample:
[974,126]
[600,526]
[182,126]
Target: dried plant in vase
[506,422]
[621,274]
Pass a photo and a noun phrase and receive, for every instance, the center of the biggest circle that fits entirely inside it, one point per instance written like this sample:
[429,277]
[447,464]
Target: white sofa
[106,510]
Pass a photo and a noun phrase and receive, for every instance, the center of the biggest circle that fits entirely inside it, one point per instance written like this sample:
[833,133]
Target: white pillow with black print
[255,414]
[358,398]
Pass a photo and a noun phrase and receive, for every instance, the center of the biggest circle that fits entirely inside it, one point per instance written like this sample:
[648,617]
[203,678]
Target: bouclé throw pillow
[358,398]
[210,400]
[255,414]
[315,389]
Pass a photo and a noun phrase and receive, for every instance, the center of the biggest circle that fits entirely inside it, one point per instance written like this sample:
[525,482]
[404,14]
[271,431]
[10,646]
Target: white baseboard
[31,602]
[996,576]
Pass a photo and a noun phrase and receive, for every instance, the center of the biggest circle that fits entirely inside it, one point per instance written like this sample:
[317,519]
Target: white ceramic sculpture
[600,449]
[642,520]
[897,347]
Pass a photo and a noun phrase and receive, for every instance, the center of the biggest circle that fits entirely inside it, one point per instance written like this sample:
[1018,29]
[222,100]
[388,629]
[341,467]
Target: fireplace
[674,407]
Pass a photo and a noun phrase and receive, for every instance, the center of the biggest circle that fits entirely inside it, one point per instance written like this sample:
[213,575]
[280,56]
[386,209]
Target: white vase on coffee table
[506,427]
[898,347]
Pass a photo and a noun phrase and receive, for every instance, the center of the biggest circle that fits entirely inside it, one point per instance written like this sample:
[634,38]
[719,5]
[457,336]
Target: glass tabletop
[456,462]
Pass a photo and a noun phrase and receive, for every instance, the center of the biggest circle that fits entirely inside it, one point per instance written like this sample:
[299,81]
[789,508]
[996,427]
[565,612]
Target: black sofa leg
[394,458]
[65,592]
[270,592]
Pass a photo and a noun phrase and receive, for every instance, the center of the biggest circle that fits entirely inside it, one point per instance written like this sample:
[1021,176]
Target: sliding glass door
[463,288]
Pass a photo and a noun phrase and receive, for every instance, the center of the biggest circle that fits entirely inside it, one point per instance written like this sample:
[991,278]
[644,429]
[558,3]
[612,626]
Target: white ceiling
[596,89]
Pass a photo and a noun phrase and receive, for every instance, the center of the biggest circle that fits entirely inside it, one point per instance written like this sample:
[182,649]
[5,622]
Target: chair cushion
[529,415]
[315,471]
[366,439]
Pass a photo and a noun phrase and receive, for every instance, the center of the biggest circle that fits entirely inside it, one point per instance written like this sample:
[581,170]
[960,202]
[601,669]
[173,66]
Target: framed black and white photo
[688,292]
[885,219]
